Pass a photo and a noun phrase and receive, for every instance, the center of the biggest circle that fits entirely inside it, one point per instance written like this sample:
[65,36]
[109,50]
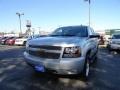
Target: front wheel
[86,67]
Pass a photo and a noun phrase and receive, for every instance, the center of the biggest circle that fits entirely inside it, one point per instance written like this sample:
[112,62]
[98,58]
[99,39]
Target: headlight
[72,52]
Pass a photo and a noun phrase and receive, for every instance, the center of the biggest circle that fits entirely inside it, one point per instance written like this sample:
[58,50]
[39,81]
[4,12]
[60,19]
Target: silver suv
[68,50]
[114,42]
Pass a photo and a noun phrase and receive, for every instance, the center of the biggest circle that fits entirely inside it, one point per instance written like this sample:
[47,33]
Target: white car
[114,42]
[21,41]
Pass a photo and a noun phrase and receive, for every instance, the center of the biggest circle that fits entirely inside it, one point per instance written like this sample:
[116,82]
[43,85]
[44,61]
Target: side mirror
[94,36]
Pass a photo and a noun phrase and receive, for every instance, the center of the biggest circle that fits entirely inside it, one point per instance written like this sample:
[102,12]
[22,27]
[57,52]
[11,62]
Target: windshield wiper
[68,35]
[54,35]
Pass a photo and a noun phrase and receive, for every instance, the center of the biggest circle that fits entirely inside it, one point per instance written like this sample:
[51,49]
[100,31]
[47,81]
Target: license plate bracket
[40,68]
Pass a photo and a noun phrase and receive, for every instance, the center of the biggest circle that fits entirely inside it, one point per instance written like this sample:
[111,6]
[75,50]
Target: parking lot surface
[15,74]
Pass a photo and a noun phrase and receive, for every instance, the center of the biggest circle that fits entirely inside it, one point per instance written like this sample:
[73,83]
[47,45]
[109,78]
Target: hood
[57,41]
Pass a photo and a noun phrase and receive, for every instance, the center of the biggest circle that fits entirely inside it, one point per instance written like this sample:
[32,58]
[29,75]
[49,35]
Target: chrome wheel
[87,68]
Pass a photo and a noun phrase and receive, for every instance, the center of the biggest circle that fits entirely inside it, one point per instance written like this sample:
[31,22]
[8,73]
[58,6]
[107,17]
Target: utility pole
[28,25]
[33,31]
[89,11]
[19,15]
[39,30]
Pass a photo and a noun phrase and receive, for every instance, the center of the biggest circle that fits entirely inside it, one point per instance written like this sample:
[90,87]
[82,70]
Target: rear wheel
[109,48]
[24,43]
[95,57]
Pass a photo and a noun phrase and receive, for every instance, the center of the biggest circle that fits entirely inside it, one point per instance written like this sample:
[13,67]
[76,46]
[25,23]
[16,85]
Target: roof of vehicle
[74,26]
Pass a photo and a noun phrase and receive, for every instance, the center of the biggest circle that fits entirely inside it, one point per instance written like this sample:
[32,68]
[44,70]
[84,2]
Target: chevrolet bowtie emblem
[41,50]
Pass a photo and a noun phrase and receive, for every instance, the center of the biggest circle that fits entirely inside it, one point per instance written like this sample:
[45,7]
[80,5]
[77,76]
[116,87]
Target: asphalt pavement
[15,74]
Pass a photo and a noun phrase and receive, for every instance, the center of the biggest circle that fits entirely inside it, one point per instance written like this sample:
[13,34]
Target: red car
[11,41]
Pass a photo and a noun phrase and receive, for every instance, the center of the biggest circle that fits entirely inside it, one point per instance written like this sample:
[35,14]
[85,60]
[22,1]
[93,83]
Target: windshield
[116,36]
[71,31]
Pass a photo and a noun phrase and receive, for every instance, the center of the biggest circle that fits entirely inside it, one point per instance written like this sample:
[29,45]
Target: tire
[109,48]
[24,43]
[86,67]
[95,57]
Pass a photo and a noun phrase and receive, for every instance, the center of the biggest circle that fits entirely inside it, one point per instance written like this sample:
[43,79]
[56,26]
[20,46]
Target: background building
[112,31]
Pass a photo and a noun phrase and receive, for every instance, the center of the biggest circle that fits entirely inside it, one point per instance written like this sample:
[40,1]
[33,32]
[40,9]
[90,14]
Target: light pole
[39,30]
[28,25]
[89,11]
[19,15]
[33,31]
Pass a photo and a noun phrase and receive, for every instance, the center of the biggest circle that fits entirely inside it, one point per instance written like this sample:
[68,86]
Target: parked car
[21,41]
[114,42]
[68,50]
[3,41]
[11,41]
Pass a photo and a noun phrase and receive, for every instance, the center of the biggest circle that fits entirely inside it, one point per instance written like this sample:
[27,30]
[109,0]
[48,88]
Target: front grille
[47,47]
[45,51]
[41,54]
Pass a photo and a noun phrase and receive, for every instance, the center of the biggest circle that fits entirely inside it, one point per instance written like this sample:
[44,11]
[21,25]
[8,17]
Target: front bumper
[18,43]
[58,66]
